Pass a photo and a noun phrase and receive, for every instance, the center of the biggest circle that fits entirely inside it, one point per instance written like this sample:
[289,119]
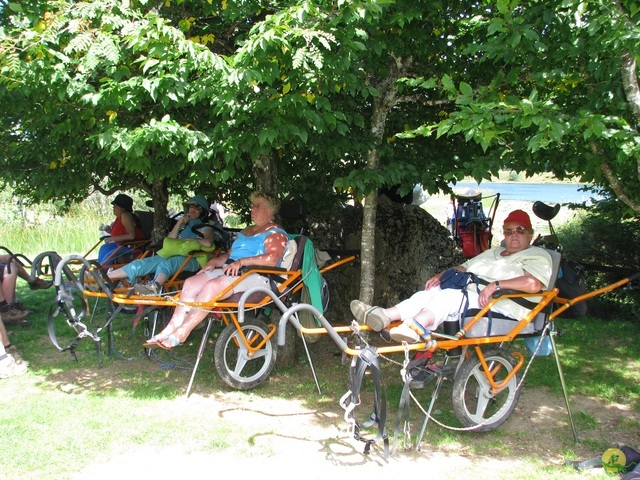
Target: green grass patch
[66,414]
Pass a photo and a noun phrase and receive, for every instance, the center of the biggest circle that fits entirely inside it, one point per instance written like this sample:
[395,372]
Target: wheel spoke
[236,366]
[482,395]
[241,362]
[474,401]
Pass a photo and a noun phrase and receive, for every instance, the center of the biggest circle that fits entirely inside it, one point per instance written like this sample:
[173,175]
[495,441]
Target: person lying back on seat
[261,244]
[125,227]
[516,266]
[192,226]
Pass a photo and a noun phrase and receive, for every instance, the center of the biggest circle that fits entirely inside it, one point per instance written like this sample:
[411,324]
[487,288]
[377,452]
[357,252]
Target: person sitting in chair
[13,311]
[262,243]
[192,226]
[515,266]
[126,227]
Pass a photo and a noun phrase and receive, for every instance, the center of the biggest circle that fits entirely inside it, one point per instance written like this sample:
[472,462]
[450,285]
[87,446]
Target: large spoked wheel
[233,363]
[473,402]
[73,315]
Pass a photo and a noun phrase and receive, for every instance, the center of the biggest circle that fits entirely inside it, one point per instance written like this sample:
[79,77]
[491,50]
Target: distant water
[545,192]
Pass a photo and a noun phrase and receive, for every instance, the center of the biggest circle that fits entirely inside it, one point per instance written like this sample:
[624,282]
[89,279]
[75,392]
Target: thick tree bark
[160,198]
[265,174]
[629,74]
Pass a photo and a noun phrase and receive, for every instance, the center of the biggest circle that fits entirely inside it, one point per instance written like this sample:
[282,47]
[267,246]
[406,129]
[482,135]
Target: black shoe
[421,376]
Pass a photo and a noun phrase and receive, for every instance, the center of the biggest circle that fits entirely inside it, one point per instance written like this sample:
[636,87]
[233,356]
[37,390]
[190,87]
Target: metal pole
[552,334]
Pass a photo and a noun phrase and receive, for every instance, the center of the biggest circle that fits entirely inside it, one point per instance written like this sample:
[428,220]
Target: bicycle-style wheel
[233,363]
[473,401]
[72,316]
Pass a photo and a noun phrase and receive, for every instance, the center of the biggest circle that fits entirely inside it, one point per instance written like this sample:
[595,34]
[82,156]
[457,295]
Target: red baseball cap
[520,217]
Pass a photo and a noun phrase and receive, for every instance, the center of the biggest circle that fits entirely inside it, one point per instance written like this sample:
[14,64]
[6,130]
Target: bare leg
[192,286]
[117,274]
[3,335]
[22,273]
[392,313]
[425,318]
[9,284]
[180,328]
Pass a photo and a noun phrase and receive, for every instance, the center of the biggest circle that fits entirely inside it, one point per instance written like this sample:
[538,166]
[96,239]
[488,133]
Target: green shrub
[605,239]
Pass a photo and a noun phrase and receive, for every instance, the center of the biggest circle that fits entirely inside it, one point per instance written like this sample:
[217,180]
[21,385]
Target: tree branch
[630,83]
[614,183]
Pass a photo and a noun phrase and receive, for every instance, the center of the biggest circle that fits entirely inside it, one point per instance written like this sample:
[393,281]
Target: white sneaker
[404,333]
[9,368]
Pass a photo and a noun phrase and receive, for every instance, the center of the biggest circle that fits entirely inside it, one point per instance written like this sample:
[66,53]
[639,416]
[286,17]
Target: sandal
[173,342]
[153,341]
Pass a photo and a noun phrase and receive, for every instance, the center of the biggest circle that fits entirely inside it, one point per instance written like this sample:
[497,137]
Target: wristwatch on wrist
[498,286]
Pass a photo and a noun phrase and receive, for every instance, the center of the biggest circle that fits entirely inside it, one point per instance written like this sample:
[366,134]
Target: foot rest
[421,376]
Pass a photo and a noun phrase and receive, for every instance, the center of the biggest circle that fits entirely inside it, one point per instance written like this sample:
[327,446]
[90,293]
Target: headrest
[544,211]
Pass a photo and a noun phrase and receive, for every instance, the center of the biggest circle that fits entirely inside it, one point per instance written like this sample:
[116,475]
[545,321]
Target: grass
[64,415]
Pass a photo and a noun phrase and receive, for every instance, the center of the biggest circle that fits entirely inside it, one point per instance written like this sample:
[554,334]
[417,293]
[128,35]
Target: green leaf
[466,89]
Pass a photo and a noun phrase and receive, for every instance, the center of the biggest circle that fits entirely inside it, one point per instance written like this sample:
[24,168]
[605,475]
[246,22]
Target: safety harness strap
[369,359]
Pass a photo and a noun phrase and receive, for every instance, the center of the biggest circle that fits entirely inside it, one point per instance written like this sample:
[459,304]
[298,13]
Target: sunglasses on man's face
[197,207]
[512,231]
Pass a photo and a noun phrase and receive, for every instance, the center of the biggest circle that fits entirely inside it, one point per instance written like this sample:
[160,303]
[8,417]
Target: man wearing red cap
[516,266]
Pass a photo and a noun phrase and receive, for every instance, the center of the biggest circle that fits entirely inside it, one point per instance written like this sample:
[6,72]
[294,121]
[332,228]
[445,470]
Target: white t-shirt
[491,266]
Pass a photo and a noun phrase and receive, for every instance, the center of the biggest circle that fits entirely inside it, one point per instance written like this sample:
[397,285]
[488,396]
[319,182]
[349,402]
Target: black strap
[405,398]
[369,359]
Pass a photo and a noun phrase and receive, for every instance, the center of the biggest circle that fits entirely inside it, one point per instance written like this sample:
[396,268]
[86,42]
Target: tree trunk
[160,198]
[382,105]
[265,174]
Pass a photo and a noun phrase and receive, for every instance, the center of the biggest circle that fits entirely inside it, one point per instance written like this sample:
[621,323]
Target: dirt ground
[287,438]
[315,444]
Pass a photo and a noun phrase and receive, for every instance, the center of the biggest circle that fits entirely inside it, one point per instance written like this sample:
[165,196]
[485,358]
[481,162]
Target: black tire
[233,365]
[473,403]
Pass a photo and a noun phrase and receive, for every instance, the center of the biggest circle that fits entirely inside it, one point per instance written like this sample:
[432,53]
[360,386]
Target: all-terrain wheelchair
[479,355]
[245,350]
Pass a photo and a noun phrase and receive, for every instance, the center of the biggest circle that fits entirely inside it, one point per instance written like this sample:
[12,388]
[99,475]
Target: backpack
[571,284]
[458,280]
